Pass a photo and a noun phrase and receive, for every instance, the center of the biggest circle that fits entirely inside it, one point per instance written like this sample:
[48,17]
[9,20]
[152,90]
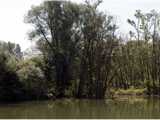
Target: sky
[12,12]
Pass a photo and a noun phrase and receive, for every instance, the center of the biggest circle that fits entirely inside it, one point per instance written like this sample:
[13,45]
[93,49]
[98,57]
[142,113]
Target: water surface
[73,108]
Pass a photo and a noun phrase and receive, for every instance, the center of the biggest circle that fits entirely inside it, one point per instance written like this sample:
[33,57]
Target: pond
[74,108]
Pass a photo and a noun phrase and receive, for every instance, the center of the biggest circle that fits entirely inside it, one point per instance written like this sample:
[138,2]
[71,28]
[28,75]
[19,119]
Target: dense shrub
[32,79]
[10,86]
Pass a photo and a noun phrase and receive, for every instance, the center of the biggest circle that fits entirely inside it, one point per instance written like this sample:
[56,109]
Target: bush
[10,86]
[32,79]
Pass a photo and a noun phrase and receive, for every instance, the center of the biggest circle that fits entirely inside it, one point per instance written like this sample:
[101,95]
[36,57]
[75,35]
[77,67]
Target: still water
[73,108]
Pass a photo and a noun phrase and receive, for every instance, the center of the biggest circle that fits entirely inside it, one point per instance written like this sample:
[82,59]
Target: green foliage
[10,86]
[33,80]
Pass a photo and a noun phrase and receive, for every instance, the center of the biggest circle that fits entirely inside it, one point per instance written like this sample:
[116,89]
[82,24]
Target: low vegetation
[129,92]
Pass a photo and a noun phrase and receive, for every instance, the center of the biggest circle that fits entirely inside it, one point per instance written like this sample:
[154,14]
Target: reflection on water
[71,108]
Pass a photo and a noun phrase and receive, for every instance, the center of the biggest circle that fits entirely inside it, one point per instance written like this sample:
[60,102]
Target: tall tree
[56,24]
[97,43]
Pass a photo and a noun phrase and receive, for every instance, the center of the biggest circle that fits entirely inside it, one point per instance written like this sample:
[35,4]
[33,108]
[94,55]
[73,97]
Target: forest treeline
[81,54]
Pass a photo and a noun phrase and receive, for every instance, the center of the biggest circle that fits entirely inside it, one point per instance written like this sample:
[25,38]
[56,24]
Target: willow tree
[98,42]
[55,26]
[147,27]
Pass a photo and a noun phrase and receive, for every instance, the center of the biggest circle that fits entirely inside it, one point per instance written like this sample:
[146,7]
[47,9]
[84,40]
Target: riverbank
[116,93]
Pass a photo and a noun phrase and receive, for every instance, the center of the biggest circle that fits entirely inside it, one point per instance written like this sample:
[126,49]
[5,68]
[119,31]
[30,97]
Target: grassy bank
[128,92]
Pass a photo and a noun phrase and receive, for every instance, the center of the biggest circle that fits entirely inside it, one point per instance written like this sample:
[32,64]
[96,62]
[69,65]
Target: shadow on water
[74,108]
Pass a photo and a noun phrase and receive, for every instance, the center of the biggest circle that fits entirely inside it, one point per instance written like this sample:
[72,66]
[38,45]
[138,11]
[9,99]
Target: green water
[71,108]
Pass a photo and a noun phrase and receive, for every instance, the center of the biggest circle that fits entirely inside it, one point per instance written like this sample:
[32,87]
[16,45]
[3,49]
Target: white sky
[13,28]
